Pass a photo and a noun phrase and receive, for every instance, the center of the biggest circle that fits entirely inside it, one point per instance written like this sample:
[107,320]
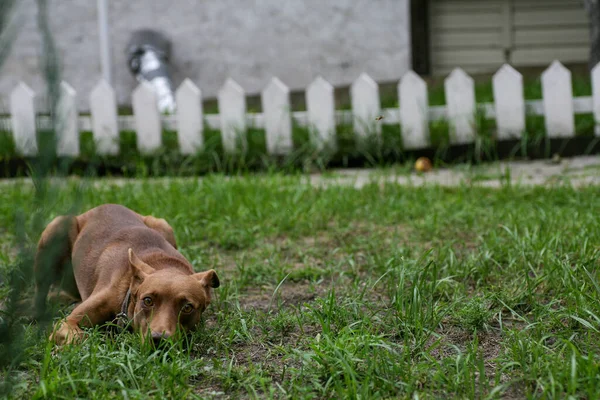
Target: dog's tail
[52,257]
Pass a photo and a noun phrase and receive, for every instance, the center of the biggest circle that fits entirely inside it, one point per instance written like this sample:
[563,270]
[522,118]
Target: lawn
[382,292]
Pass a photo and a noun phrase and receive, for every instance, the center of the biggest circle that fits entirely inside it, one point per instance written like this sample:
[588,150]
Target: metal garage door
[480,35]
[466,33]
[548,30]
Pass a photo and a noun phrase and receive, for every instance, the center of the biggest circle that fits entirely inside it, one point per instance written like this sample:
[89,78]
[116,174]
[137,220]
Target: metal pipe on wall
[104,38]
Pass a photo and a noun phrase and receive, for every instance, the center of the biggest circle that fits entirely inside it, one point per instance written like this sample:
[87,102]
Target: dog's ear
[140,269]
[208,278]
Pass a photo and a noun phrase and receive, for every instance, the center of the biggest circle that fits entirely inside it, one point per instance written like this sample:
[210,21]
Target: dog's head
[167,300]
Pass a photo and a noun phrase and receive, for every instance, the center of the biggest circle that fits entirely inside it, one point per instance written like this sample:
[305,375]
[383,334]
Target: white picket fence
[413,115]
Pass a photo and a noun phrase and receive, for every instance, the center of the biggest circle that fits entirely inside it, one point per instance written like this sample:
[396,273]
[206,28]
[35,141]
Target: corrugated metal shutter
[466,34]
[548,30]
[480,35]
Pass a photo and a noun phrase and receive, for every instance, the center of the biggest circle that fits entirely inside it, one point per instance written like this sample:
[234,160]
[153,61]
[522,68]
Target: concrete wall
[249,40]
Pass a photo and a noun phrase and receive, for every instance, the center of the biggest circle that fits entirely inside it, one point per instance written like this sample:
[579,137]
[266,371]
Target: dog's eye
[188,308]
[148,302]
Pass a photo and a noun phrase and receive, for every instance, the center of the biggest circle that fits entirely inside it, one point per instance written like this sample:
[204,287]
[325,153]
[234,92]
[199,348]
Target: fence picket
[278,119]
[558,101]
[414,114]
[103,105]
[596,97]
[68,121]
[460,101]
[190,118]
[147,119]
[509,103]
[22,110]
[366,106]
[320,106]
[232,110]
[414,104]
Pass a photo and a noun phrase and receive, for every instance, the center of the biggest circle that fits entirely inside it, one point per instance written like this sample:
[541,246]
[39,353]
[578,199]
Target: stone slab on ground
[576,171]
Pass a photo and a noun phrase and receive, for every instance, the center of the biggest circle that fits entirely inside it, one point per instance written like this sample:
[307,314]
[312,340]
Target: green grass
[386,292]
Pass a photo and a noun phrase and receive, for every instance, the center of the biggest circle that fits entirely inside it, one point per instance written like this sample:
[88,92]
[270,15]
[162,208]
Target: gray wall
[249,40]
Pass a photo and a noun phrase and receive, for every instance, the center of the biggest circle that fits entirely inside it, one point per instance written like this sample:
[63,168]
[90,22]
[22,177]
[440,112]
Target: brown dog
[120,264]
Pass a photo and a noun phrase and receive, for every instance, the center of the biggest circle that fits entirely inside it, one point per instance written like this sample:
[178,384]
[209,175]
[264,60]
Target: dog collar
[122,317]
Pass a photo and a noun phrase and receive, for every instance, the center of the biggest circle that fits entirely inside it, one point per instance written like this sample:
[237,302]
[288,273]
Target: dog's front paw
[66,333]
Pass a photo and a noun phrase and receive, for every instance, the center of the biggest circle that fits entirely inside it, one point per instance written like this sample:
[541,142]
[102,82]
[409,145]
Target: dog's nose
[157,336]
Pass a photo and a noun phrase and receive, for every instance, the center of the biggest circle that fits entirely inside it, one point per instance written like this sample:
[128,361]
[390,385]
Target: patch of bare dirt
[250,356]
[340,243]
[224,262]
[288,295]
[489,345]
[337,244]
[336,235]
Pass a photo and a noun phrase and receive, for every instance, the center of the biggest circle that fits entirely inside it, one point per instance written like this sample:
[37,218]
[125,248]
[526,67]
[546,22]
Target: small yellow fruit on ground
[423,164]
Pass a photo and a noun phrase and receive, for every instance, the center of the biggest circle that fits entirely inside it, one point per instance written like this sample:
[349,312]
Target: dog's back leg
[53,260]
[161,226]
